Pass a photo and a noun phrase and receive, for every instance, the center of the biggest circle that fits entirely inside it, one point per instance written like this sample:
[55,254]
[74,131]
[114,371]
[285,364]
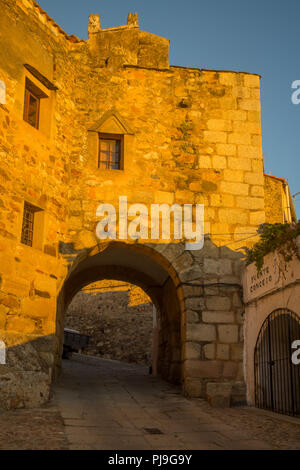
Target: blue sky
[257,36]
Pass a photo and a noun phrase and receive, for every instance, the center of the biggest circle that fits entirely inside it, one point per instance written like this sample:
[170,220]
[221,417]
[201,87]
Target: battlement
[31,6]
[95,24]
[115,46]
[126,45]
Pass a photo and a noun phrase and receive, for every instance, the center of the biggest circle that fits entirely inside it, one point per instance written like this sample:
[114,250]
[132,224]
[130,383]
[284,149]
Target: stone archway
[197,294]
[145,267]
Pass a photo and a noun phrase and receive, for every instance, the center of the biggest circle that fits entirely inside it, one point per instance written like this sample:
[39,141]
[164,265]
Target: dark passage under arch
[141,266]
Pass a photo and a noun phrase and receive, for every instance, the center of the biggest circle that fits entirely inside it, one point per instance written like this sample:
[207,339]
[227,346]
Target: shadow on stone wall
[116,329]
[25,378]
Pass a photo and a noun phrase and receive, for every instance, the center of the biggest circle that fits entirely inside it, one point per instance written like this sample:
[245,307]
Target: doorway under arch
[146,268]
[119,320]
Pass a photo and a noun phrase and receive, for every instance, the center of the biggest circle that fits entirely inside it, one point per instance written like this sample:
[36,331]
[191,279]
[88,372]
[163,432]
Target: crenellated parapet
[126,45]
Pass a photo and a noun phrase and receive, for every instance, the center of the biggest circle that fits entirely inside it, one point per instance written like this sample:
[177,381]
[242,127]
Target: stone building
[279,205]
[85,122]
[272,333]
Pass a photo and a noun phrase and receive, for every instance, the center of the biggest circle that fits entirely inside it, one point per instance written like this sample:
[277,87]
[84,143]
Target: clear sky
[257,36]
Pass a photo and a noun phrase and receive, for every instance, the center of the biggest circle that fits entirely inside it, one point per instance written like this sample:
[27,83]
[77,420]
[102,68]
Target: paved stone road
[33,429]
[111,405]
[103,404]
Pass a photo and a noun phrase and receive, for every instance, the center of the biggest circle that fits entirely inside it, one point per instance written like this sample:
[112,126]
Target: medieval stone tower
[85,122]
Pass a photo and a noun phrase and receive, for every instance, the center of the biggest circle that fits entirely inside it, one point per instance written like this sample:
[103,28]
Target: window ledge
[37,250]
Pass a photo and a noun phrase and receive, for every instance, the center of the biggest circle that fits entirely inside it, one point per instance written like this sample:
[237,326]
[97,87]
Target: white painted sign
[275,274]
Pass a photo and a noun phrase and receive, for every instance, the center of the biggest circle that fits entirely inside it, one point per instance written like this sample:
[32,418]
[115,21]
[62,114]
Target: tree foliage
[280,237]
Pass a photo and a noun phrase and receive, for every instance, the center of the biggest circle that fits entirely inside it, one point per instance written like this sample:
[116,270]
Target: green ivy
[185,127]
[280,237]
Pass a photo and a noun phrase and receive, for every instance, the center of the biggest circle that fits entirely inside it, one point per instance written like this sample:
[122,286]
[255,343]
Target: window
[28,237]
[110,151]
[31,109]
[33,95]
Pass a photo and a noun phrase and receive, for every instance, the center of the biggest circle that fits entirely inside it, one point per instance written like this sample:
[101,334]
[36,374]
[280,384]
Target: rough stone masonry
[187,135]
[117,317]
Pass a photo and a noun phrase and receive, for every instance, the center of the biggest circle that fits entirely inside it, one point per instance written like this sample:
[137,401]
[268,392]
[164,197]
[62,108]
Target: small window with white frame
[110,151]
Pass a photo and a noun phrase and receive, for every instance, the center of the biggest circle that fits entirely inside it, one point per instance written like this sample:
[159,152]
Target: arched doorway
[277,379]
[142,266]
[119,321]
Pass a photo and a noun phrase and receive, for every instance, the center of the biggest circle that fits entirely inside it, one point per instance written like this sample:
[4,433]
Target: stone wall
[135,295]
[214,316]
[33,168]
[190,136]
[119,322]
[276,289]
[274,199]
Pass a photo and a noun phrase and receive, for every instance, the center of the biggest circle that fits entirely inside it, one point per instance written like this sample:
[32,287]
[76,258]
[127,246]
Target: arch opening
[143,267]
[118,321]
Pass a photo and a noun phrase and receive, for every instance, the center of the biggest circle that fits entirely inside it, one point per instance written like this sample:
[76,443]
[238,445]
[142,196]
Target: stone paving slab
[40,428]
[106,405]
[138,401]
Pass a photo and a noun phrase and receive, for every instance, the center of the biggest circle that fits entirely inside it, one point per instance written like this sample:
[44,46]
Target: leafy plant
[280,237]
[185,127]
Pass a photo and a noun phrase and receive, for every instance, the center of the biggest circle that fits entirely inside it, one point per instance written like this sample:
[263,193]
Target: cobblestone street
[35,429]
[103,404]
